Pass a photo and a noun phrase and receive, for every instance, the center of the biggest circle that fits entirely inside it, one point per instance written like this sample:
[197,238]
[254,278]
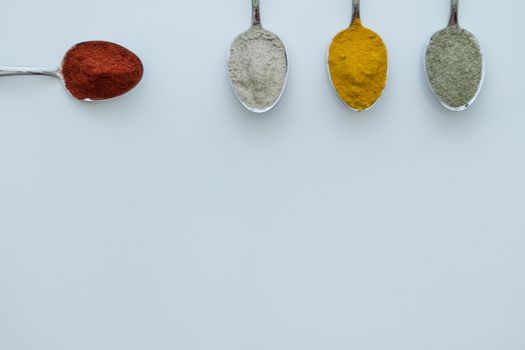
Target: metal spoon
[332,63]
[104,76]
[448,74]
[258,66]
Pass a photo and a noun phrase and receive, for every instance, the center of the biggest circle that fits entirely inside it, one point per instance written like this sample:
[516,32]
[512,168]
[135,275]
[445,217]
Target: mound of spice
[454,66]
[258,68]
[358,64]
[99,70]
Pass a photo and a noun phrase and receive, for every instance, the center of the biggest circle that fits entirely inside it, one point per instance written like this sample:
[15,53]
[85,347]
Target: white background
[172,218]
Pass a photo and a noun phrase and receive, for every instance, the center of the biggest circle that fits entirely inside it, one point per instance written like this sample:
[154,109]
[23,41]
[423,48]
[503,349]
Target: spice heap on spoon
[92,70]
[258,66]
[358,64]
[454,65]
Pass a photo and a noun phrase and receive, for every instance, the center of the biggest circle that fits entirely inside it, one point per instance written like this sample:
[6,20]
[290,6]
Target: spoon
[92,70]
[258,66]
[358,64]
[454,65]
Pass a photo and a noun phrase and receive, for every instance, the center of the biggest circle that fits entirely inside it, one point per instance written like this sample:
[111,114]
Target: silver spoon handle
[356,12]
[256,13]
[454,13]
[10,71]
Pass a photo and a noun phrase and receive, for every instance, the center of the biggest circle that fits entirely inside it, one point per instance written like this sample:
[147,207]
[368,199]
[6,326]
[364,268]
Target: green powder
[454,66]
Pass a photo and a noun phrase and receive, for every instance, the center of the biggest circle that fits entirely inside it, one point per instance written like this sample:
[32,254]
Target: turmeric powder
[358,65]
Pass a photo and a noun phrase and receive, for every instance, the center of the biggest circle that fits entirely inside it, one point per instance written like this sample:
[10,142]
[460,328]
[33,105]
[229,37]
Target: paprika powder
[100,70]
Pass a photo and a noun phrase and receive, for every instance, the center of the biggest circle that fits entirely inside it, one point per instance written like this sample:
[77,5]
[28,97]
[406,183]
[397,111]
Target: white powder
[258,68]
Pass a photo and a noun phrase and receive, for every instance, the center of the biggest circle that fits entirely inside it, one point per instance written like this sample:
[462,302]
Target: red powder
[99,70]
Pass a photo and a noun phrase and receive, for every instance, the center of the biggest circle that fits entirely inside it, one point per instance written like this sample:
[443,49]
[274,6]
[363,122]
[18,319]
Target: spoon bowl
[258,66]
[454,65]
[358,88]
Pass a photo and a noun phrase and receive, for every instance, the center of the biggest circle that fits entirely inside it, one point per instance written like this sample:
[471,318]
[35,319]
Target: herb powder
[454,66]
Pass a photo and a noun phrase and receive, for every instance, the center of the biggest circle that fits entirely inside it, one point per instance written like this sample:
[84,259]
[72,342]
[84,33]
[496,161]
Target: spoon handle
[10,71]
[256,13]
[454,13]
[356,12]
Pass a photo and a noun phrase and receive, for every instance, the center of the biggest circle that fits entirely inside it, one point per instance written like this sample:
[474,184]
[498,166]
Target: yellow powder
[358,66]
